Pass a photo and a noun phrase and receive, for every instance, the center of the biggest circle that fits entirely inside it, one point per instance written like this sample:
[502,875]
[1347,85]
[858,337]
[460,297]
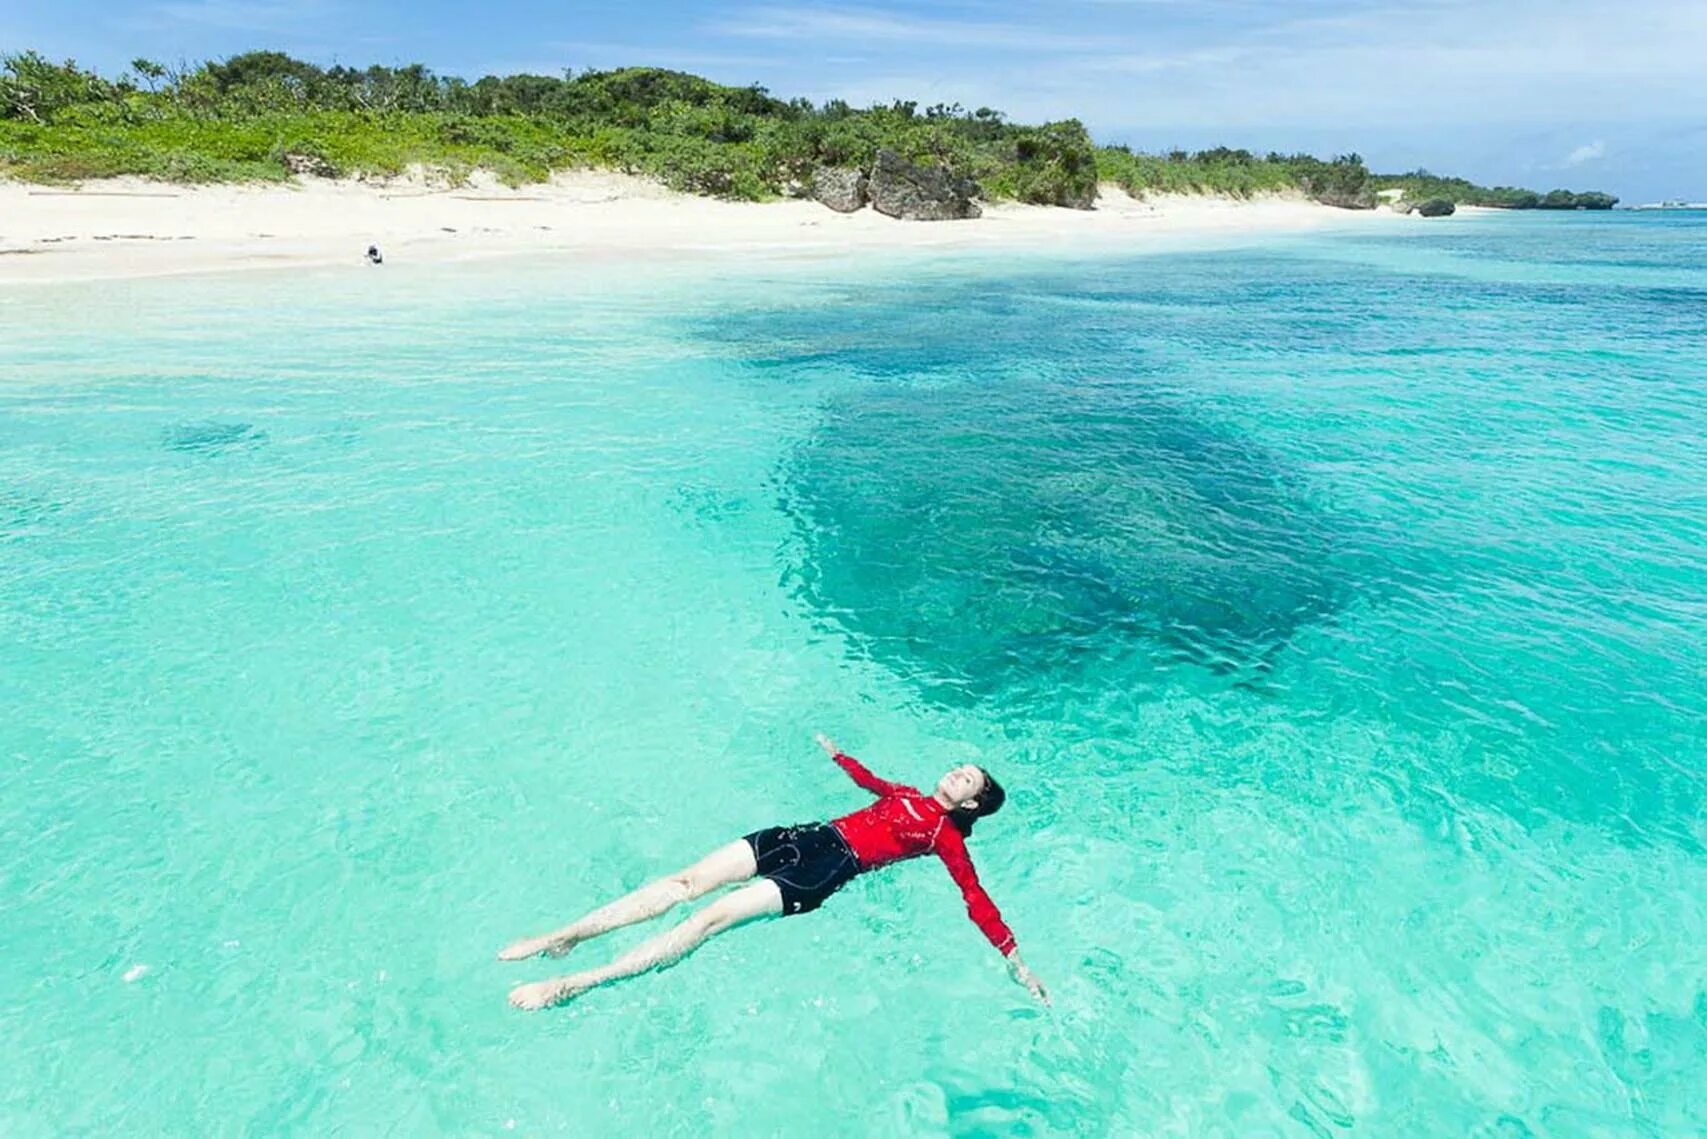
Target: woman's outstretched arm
[858,772]
[951,848]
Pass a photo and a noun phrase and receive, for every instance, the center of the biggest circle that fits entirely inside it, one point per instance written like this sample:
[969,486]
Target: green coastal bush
[248,117]
[1051,165]
[1239,174]
[1420,185]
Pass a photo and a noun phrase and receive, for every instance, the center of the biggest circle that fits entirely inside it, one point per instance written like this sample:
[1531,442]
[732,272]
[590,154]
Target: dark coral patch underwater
[988,535]
[1011,481]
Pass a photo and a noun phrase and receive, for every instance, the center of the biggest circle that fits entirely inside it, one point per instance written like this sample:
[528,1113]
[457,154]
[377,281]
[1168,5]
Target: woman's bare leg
[761,899]
[730,863]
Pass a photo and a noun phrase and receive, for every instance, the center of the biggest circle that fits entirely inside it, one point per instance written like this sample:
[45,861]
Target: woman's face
[961,785]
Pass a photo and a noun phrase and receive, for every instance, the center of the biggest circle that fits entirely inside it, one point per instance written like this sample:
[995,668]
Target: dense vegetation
[1420,185]
[240,119]
[1344,181]
[263,114]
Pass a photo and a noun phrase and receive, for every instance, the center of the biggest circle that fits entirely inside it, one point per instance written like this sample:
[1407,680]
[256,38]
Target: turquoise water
[1333,609]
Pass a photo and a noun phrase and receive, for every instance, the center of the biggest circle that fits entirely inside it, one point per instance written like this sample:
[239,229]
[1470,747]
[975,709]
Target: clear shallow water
[1334,611]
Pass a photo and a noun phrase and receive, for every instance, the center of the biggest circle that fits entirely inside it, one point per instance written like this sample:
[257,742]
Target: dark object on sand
[374,256]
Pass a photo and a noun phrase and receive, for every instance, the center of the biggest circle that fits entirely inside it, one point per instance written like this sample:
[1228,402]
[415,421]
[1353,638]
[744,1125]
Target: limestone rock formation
[841,188]
[912,192]
[1345,199]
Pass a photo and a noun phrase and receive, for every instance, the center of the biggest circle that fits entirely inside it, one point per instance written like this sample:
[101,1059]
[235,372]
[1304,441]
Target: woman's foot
[544,994]
[551,945]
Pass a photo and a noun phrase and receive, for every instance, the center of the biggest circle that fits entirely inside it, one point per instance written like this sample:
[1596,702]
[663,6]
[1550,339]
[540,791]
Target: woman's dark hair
[987,802]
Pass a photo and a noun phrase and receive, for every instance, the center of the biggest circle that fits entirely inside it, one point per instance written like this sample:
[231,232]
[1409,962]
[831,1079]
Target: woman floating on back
[797,867]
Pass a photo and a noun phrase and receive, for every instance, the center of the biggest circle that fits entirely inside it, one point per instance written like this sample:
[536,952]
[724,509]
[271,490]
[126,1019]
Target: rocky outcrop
[1346,200]
[1082,197]
[906,190]
[309,165]
[898,188]
[841,188]
[1428,208]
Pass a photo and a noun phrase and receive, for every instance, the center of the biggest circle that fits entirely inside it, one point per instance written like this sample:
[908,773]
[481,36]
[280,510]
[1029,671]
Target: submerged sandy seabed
[129,227]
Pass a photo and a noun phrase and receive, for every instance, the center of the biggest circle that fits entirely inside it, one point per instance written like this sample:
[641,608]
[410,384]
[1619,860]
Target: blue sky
[1534,92]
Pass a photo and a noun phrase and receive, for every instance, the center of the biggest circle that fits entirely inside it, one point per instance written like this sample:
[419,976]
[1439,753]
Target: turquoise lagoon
[1333,608]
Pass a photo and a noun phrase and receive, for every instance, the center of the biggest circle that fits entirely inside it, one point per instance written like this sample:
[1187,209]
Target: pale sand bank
[130,228]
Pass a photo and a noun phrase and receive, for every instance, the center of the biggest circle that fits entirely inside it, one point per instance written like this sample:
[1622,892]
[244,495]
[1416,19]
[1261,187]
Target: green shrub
[36,90]
[1051,165]
[1420,184]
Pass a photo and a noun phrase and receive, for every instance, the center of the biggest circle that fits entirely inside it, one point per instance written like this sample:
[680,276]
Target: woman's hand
[828,745]
[1027,978]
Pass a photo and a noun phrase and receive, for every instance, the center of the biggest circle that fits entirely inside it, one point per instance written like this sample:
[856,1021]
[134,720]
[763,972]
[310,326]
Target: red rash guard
[905,824]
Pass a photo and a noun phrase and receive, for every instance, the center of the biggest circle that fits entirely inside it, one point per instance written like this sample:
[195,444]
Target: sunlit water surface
[1333,610]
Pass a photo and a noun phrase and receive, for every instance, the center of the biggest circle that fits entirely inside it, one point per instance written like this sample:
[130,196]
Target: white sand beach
[131,228]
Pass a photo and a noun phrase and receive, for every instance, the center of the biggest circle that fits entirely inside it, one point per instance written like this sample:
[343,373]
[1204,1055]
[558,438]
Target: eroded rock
[842,188]
[906,190]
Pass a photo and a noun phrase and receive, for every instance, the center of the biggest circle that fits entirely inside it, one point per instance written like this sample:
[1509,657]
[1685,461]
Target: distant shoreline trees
[261,115]
[1420,184]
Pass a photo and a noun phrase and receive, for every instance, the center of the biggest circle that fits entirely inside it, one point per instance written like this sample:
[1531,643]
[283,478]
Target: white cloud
[868,25]
[1586,153]
[1240,67]
[613,54]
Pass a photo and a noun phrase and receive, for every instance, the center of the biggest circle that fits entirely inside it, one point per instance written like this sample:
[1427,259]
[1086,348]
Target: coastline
[129,227]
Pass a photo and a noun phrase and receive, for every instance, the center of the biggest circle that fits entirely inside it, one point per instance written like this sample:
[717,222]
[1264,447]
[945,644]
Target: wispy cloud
[1586,153]
[1149,63]
[1431,61]
[870,25]
[603,54]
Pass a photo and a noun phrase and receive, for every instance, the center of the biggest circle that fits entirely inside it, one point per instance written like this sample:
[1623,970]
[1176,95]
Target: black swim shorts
[808,863]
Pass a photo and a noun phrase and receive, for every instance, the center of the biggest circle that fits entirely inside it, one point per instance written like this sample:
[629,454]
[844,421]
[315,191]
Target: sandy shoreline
[132,228]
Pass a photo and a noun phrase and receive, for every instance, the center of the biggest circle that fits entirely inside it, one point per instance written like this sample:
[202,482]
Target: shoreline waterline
[129,228]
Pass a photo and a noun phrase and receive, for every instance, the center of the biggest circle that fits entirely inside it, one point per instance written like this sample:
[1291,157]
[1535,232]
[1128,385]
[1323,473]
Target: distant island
[265,116]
